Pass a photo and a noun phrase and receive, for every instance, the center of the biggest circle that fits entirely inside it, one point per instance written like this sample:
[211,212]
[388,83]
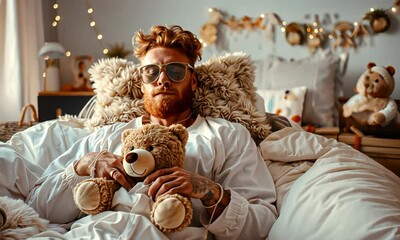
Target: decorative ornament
[208,33]
[247,23]
[360,31]
[232,23]
[343,33]
[315,36]
[272,20]
[295,33]
[258,23]
[315,41]
[118,51]
[379,21]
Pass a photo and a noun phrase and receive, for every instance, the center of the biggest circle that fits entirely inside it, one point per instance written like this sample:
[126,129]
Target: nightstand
[54,104]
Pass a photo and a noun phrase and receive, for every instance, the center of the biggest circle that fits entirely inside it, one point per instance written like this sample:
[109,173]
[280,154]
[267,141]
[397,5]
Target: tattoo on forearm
[201,185]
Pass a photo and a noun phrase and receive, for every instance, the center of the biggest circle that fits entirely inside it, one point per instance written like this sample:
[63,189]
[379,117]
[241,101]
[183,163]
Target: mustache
[160,90]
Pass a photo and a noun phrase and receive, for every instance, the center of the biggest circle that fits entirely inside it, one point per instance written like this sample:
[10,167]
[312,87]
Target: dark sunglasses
[176,71]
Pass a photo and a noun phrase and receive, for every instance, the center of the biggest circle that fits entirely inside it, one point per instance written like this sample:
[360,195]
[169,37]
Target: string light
[57,19]
[92,24]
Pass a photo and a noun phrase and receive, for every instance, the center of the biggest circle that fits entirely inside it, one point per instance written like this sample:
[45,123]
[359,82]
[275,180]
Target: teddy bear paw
[95,195]
[376,118]
[171,213]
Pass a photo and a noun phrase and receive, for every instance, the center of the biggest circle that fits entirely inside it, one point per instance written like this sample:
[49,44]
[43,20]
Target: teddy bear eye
[150,148]
[376,80]
[132,148]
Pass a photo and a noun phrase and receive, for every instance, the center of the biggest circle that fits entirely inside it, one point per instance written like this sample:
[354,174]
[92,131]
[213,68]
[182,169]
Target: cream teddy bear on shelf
[374,88]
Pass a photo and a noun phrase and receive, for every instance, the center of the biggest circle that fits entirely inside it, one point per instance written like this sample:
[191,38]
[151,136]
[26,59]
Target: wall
[118,20]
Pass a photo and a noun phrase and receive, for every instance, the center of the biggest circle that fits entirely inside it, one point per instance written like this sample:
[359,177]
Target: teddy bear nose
[131,157]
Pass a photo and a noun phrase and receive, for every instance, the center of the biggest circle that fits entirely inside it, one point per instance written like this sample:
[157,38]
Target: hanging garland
[313,35]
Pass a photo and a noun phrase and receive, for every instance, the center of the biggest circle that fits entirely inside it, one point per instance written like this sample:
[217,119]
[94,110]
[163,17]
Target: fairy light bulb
[371,9]
[90,10]
[92,23]
[55,5]
[105,50]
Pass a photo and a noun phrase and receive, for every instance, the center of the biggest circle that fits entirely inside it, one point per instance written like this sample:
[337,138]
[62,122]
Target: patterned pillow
[225,89]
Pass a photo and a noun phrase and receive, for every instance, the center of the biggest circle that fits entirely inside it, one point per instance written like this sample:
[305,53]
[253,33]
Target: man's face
[164,97]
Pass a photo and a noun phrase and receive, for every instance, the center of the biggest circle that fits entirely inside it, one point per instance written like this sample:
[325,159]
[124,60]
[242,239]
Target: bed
[325,189]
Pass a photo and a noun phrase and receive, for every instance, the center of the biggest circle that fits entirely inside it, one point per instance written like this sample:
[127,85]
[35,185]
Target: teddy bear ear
[126,133]
[371,65]
[391,70]
[180,131]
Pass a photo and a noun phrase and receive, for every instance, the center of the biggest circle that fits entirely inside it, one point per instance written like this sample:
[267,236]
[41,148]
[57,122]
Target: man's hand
[107,165]
[177,180]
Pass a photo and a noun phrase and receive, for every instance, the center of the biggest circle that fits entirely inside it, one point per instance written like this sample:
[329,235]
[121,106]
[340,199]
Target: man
[224,173]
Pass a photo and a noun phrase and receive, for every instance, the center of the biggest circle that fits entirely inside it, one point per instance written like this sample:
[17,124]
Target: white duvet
[325,189]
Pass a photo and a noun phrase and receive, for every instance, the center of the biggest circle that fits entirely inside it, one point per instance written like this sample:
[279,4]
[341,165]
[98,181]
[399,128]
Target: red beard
[162,106]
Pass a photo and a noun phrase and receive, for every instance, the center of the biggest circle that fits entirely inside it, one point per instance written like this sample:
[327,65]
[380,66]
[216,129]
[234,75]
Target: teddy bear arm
[389,111]
[171,213]
[94,195]
[352,105]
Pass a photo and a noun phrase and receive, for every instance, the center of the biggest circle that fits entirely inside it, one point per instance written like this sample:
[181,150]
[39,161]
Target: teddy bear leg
[95,195]
[171,213]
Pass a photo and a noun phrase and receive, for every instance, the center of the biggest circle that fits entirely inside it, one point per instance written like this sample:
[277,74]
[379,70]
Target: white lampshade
[52,50]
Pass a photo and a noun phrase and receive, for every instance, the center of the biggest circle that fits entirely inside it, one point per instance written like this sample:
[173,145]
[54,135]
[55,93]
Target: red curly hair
[168,37]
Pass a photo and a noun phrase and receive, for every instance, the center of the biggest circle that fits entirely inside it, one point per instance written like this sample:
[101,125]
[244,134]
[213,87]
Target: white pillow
[316,72]
[285,102]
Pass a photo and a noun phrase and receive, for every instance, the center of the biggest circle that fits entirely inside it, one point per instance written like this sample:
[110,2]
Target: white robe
[217,149]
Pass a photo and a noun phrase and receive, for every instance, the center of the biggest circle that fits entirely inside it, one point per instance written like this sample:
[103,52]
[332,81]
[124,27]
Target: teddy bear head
[376,81]
[152,147]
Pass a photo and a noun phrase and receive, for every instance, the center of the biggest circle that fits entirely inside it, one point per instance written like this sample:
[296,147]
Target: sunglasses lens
[150,73]
[176,71]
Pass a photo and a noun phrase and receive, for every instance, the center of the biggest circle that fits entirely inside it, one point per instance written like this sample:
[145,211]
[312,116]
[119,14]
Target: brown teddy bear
[145,150]
[373,100]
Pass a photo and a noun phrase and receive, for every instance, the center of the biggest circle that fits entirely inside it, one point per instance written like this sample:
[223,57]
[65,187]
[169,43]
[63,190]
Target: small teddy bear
[145,150]
[289,106]
[374,88]
[18,220]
